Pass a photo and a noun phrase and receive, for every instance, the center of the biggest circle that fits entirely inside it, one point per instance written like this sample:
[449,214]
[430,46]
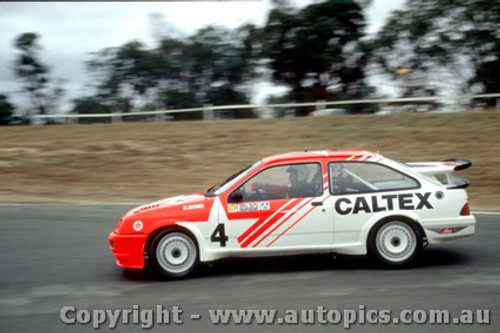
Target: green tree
[217,57]
[90,105]
[221,65]
[31,70]
[447,40]
[180,72]
[44,95]
[316,51]
[6,110]
[129,66]
[227,95]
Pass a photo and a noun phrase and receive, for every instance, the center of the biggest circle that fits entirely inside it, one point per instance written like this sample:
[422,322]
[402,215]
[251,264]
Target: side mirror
[235,197]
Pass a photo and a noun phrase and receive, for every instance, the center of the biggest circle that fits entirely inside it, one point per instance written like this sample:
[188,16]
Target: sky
[71,31]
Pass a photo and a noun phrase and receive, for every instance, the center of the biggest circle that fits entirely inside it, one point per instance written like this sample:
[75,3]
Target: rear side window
[363,177]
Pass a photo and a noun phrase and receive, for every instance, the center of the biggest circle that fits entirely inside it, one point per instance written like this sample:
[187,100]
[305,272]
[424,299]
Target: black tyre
[174,254]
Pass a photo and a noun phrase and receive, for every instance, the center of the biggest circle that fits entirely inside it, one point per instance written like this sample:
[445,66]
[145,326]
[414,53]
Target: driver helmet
[301,170]
[337,169]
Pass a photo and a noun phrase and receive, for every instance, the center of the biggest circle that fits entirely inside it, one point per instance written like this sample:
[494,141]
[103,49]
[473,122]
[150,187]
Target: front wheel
[174,254]
[395,244]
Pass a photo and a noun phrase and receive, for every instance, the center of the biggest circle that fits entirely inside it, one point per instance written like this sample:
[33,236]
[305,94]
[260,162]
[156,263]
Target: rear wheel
[174,254]
[395,243]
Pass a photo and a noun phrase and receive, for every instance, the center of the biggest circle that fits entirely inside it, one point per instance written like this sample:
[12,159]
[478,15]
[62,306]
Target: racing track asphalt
[57,255]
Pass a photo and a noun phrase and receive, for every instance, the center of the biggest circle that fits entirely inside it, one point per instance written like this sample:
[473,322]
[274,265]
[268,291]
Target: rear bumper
[441,230]
[128,249]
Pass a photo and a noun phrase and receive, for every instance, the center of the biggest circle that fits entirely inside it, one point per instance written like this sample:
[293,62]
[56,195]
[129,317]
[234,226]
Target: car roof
[333,154]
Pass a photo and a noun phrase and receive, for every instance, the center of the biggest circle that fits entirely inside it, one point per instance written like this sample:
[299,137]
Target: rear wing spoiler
[458,163]
[442,171]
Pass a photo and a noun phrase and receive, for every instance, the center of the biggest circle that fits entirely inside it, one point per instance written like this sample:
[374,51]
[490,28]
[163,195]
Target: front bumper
[128,249]
[441,230]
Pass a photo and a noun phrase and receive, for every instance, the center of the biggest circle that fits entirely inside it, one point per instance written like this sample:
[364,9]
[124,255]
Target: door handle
[317,203]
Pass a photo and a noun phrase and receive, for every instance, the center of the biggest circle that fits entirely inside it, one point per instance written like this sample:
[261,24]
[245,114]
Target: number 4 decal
[219,235]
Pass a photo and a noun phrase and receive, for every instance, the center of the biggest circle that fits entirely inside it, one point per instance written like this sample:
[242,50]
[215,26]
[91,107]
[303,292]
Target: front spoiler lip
[128,249]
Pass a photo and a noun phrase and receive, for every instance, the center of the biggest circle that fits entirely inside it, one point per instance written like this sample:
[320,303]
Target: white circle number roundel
[138,225]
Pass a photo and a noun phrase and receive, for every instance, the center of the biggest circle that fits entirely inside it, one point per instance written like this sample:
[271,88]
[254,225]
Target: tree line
[319,52]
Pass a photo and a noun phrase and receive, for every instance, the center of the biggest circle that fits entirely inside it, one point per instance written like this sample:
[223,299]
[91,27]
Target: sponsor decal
[447,230]
[138,225]
[249,206]
[193,206]
[381,203]
[168,201]
[265,205]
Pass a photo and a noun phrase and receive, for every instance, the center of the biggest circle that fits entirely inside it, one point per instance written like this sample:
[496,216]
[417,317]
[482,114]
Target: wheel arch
[410,221]
[172,228]
[374,224]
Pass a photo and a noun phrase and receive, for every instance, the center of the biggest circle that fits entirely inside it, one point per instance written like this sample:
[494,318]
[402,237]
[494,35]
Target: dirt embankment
[137,162]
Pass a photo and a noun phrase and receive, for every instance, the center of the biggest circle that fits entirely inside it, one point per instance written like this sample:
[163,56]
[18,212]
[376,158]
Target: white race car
[333,201]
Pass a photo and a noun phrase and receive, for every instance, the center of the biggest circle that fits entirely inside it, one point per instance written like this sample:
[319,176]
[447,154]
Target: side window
[284,181]
[360,177]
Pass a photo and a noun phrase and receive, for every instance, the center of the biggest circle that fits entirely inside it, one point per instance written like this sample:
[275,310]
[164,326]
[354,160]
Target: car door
[268,212]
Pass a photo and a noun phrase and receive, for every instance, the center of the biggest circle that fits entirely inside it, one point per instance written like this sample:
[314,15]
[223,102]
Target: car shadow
[442,257]
[307,263]
[431,257]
